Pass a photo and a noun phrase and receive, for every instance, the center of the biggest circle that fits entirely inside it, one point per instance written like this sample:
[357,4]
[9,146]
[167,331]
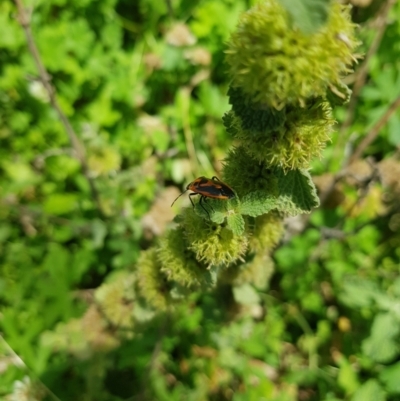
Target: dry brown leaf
[155,221]
[179,35]
[389,170]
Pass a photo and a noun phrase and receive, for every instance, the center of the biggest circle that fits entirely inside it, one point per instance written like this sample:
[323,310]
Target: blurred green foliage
[142,82]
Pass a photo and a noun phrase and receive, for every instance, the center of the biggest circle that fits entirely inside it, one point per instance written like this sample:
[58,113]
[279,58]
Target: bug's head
[196,183]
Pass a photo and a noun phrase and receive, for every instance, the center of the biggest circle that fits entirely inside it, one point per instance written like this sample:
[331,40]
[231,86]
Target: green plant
[276,140]
[99,299]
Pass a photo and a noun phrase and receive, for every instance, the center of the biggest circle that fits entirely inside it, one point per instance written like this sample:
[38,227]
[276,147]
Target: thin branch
[187,131]
[356,154]
[374,131]
[368,183]
[362,72]
[27,215]
[360,79]
[169,8]
[45,79]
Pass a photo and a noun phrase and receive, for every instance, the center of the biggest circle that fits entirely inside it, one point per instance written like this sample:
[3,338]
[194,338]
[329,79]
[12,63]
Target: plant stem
[362,72]
[45,79]
[374,131]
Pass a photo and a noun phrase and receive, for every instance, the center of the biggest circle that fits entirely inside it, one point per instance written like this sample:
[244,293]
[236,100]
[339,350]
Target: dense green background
[142,93]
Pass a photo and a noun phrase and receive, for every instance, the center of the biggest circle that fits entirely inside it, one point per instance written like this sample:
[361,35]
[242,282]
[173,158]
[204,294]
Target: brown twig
[187,131]
[360,78]
[367,185]
[169,8]
[28,215]
[45,79]
[356,154]
[362,72]
[374,131]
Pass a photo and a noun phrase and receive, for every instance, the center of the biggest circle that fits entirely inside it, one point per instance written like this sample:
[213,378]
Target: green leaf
[369,391]
[359,293]
[207,21]
[57,264]
[257,203]
[303,376]
[395,287]
[297,192]
[82,260]
[211,276]
[20,173]
[212,99]
[236,223]
[347,377]
[217,216]
[390,377]
[307,15]
[245,295]
[382,346]
[60,203]
[207,211]
[11,35]
[99,232]
[160,140]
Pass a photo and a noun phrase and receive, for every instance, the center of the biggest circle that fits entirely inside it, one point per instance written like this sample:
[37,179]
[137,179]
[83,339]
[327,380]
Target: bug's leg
[206,201]
[201,204]
[190,197]
[215,178]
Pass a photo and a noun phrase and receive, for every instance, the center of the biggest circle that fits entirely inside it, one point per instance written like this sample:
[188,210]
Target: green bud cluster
[254,117]
[116,300]
[266,231]
[276,64]
[290,145]
[214,244]
[247,175]
[256,270]
[177,261]
[152,284]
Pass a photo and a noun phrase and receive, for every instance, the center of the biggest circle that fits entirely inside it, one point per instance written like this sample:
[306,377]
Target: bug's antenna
[178,197]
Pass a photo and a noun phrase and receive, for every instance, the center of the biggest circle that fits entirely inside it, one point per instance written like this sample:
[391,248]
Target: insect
[207,188]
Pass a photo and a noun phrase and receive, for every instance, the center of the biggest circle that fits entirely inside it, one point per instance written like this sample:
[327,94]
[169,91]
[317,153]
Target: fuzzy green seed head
[303,137]
[96,330]
[116,300]
[246,174]
[152,284]
[338,95]
[213,244]
[178,262]
[254,117]
[278,64]
[266,231]
[257,270]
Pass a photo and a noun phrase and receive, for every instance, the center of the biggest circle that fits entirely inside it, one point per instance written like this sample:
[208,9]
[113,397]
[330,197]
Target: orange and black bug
[206,188]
